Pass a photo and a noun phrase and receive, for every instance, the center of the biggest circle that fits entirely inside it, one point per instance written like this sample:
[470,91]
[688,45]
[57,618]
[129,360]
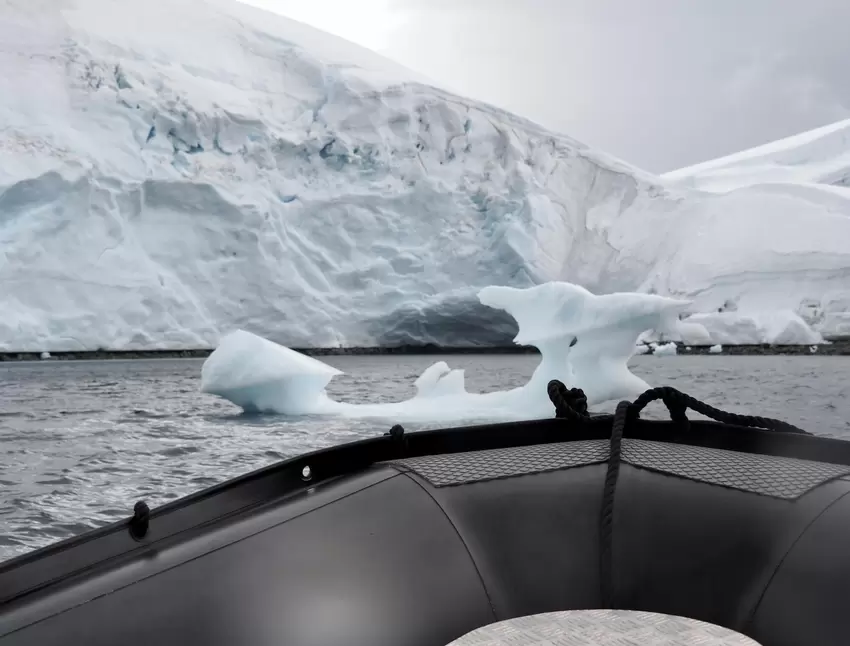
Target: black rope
[396,432]
[569,404]
[140,521]
[678,402]
[572,405]
[606,517]
[399,439]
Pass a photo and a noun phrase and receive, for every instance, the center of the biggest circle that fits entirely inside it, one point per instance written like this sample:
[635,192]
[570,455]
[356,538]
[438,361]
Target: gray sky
[659,83]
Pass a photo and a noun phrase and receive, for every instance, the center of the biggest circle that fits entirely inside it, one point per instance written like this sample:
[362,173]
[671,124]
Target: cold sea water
[80,442]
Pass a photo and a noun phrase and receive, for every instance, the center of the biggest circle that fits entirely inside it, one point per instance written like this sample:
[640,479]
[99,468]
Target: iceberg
[585,341]
[175,169]
[259,375]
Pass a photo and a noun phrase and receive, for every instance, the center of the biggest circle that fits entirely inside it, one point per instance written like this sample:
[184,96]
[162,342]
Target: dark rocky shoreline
[837,347]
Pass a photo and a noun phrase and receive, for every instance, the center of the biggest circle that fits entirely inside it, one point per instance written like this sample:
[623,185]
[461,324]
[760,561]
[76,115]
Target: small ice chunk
[262,376]
[664,349]
[439,380]
[45,355]
[693,333]
[452,383]
[649,336]
[429,378]
[715,349]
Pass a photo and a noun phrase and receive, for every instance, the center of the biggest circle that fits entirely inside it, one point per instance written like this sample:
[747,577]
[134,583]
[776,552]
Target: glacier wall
[175,170]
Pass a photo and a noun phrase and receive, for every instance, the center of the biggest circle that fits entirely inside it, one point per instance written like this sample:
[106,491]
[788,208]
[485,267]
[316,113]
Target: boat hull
[421,538]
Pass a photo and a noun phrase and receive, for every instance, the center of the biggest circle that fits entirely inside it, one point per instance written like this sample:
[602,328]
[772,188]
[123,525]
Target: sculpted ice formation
[584,340]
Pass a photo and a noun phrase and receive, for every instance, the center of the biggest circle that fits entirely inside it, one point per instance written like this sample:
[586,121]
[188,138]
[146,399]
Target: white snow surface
[820,156]
[584,340]
[175,170]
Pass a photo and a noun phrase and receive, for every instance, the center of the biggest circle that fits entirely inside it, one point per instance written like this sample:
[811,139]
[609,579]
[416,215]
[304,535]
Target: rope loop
[571,404]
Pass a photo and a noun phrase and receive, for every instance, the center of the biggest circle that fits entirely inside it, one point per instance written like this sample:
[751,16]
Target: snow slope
[820,156]
[174,170]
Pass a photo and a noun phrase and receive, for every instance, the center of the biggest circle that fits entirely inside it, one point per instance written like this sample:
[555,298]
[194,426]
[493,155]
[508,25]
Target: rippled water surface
[80,442]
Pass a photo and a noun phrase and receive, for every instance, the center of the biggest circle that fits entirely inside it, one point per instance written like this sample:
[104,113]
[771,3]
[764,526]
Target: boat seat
[602,628]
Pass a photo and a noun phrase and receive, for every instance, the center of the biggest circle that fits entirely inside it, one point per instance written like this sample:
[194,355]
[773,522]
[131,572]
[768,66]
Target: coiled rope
[571,404]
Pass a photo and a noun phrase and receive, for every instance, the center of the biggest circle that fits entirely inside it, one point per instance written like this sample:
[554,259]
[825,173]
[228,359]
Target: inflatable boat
[416,539]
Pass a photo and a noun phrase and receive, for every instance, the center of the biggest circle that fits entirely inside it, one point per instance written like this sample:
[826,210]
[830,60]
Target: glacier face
[171,171]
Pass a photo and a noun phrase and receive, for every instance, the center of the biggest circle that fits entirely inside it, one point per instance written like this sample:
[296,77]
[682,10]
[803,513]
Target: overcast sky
[659,83]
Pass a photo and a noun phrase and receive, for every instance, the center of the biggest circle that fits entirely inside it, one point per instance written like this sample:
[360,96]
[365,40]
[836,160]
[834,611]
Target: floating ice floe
[584,340]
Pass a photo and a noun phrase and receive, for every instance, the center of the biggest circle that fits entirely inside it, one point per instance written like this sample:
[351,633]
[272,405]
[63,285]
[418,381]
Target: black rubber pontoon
[415,539]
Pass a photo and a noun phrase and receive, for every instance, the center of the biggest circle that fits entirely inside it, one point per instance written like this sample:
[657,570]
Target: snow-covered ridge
[820,156]
[171,171]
